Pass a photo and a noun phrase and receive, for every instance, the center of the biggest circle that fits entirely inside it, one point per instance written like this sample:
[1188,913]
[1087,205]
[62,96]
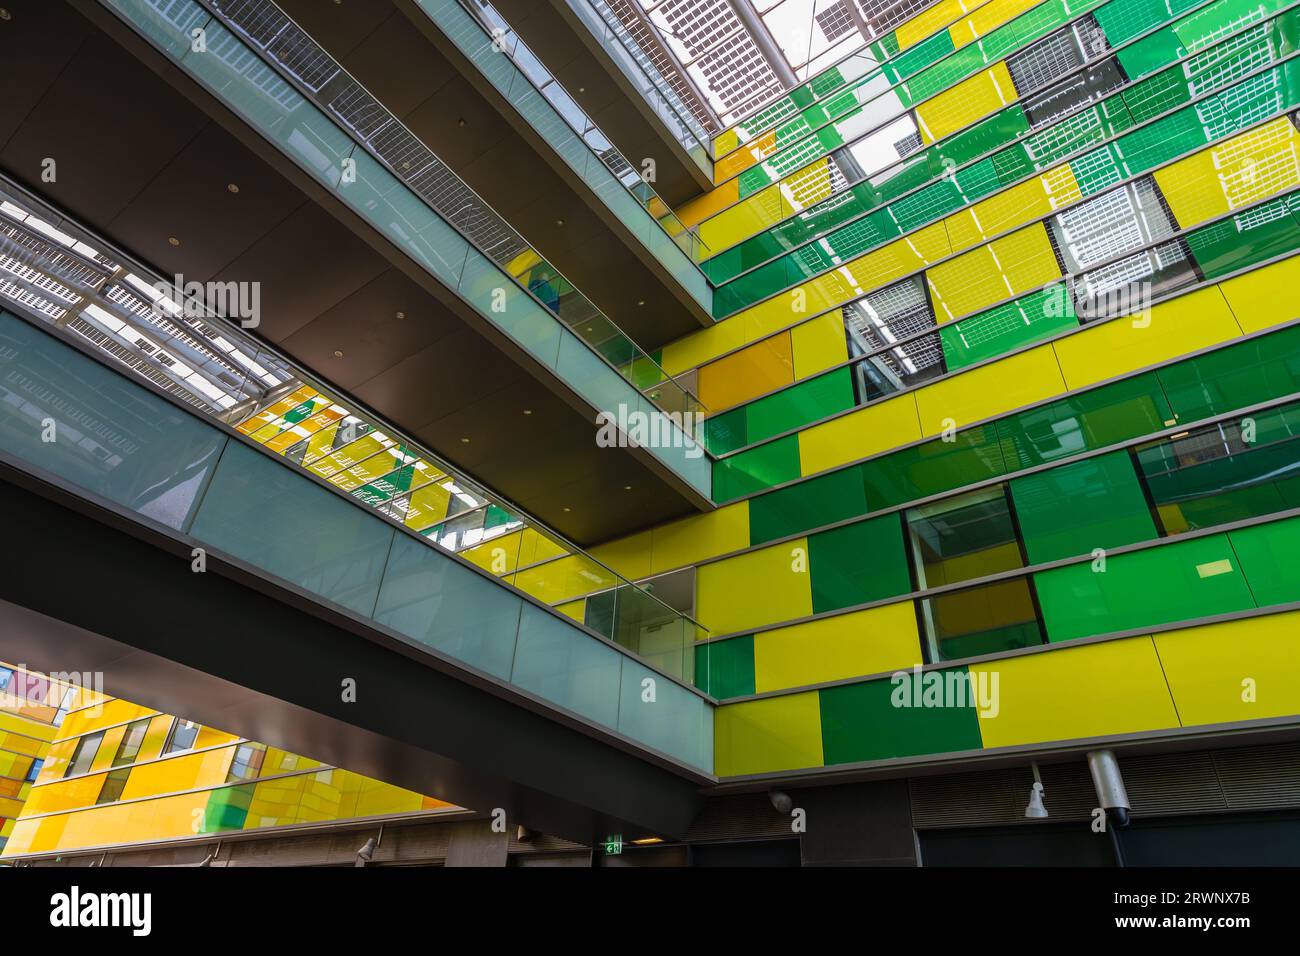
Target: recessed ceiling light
[5,14]
[460,122]
[559,222]
[464,441]
[528,411]
[399,315]
[640,301]
[627,487]
[172,240]
[568,509]
[338,353]
[232,187]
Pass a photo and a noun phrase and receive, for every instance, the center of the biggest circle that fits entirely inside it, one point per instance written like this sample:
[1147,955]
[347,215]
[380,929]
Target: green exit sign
[614,845]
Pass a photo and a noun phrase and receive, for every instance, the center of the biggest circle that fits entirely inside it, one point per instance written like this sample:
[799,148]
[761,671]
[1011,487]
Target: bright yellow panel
[1265,297]
[759,736]
[755,213]
[699,537]
[725,142]
[748,373]
[1182,325]
[989,390]
[1235,173]
[574,609]
[766,586]
[1063,694]
[628,556]
[867,431]
[699,347]
[932,20]
[564,579]
[819,344]
[877,640]
[740,160]
[964,103]
[1031,199]
[990,273]
[988,17]
[702,207]
[1239,670]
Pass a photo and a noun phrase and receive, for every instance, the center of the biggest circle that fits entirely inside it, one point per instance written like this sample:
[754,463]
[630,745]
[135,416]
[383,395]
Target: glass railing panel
[249,507]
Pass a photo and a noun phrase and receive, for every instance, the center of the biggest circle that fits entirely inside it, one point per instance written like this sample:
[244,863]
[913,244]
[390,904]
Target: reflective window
[34,770]
[84,755]
[247,761]
[129,748]
[182,736]
[113,786]
[969,536]
[981,620]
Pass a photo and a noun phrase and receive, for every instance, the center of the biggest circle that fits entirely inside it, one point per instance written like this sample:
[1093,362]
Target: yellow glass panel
[964,103]
[990,273]
[699,347]
[988,17]
[574,609]
[628,556]
[748,373]
[740,160]
[819,344]
[428,506]
[1090,691]
[1032,199]
[710,204]
[80,722]
[498,556]
[1235,173]
[874,641]
[558,581]
[766,586]
[1211,668]
[1265,297]
[868,431]
[725,142]
[755,213]
[989,390]
[698,537]
[932,20]
[760,736]
[183,772]
[1182,325]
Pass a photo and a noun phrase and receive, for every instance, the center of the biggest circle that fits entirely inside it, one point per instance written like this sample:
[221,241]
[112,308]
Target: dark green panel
[726,668]
[1179,581]
[1073,509]
[858,563]
[810,504]
[1270,560]
[1268,230]
[807,402]
[756,469]
[861,721]
[1235,376]
[933,467]
[1096,418]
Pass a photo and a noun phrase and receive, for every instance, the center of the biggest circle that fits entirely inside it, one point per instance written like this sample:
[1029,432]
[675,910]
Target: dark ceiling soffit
[233,650]
[142,50]
[547,152]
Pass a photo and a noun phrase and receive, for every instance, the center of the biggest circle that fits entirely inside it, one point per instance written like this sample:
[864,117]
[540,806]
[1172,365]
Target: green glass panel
[727,431]
[227,809]
[865,722]
[918,57]
[801,404]
[1266,231]
[1245,373]
[1270,560]
[1096,418]
[810,504]
[726,668]
[933,467]
[1076,508]
[756,469]
[857,564]
[1031,318]
[1151,52]
[1123,21]
[1180,581]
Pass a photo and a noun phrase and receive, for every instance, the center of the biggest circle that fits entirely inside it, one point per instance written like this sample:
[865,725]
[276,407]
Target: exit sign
[614,844]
